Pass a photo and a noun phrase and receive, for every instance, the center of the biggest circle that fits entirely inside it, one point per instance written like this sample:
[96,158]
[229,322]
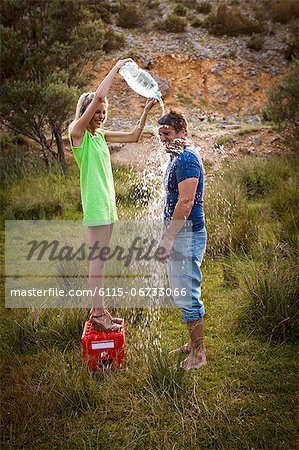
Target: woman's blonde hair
[83,102]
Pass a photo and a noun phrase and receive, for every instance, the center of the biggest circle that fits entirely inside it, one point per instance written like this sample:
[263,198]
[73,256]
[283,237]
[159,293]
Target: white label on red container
[102,344]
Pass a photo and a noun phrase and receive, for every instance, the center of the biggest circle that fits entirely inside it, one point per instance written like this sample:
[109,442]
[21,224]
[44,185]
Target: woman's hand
[122,62]
[149,104]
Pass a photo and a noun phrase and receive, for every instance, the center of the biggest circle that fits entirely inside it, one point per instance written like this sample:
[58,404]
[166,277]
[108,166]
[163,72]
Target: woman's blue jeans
[184,273]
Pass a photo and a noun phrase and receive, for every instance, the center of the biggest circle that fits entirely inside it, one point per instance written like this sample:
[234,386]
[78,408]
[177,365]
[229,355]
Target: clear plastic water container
[140,81]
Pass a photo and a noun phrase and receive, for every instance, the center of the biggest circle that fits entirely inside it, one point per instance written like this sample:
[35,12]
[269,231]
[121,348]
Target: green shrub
[101,11]
[196,22]
[282,106]
[271,291]
[114,40]
[172,24]
[130,16]
[180,10]
[255,42]
[153,4]
[292,49]
[204,7]
[230,21]
[285,10]
[190,4]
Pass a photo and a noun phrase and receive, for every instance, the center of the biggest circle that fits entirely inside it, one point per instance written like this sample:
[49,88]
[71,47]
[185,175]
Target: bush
[282,107]
[190,4]
[130,16]
[153,4]
[285,10]
[196,22]
[204,7]
[230,21]
[271,290]
[113,40]
[255,42]
[292,49]
[172,24]
[180,10]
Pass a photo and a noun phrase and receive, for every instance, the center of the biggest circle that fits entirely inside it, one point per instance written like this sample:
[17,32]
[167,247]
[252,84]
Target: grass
[234,402]
[245,398]
[271,291]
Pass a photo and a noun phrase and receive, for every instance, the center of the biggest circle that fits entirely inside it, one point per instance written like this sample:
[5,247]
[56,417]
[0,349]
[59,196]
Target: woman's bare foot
[99,312]
[102,321]
[186,348]
[195,360]
[117,320]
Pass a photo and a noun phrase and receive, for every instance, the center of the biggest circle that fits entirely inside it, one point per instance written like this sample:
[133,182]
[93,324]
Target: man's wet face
[171,140]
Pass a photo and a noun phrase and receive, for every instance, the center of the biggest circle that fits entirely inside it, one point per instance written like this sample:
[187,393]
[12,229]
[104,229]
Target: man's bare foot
[186,348]
[195,360]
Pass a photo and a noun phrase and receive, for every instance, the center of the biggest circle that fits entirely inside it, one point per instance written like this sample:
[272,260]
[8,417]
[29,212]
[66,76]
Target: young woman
[89,144]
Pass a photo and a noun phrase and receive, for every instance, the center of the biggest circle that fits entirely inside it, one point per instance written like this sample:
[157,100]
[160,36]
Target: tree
[283,102]
[45,46]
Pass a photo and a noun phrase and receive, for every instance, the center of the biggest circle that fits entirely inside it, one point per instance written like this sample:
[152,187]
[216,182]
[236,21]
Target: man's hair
[175,120]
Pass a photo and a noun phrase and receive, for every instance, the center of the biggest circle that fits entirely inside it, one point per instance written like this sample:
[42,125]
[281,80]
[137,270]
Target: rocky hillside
[218,81]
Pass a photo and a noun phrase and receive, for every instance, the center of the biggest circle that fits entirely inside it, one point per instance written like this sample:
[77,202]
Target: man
[184,184]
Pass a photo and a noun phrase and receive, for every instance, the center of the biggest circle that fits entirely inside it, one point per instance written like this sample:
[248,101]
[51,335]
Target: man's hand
[163,252]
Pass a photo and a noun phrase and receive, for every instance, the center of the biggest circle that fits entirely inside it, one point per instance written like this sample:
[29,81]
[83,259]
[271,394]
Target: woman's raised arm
[134,135]
[79,127]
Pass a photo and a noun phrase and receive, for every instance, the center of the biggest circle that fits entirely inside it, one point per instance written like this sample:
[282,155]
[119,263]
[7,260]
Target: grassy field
[245,398]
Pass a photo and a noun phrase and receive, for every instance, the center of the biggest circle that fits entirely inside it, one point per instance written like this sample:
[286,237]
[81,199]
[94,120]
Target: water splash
[162,106]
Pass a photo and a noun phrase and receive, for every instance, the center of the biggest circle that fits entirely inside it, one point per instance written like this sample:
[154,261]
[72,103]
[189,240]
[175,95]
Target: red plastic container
[101,349]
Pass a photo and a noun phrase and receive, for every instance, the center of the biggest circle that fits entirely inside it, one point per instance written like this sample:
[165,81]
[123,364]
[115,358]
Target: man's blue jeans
[184,273]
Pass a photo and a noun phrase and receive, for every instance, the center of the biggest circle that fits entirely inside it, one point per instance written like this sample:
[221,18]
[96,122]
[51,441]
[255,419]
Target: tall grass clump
[271,291]
[284,203]
[232,223]
[27,331]
[163,378]
[18,158]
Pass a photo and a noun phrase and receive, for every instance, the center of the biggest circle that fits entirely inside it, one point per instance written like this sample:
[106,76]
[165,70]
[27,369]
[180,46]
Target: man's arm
[187,192]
